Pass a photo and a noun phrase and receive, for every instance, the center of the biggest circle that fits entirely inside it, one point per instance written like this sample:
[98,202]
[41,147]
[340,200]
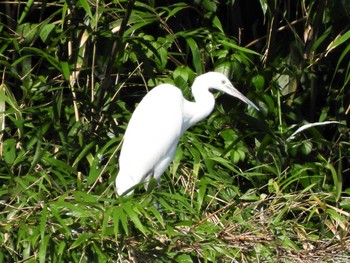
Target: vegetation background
[245,186]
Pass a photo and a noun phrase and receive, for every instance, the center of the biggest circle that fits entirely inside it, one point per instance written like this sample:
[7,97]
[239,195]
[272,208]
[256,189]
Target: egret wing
[152,134]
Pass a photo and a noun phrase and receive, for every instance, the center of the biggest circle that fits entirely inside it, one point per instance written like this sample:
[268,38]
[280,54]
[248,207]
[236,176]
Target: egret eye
[223,82]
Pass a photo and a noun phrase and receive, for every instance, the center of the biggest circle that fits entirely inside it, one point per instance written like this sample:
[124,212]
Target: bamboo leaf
[340,39]
[43,248]
[196,56]
[82,239]
[129,211]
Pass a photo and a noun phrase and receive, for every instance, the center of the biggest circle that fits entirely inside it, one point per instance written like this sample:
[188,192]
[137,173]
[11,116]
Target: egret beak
[231,90]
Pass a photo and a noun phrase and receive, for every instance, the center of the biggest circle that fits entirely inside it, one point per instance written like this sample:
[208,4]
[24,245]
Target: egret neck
[201,108]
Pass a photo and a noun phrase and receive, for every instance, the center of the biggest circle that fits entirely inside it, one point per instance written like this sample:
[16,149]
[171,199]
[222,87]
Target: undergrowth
[245,186]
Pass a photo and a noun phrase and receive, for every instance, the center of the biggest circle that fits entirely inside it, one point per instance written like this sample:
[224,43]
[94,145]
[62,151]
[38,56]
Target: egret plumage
[158,122]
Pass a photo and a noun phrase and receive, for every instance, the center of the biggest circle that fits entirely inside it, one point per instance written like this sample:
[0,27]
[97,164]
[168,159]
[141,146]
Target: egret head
[218,81]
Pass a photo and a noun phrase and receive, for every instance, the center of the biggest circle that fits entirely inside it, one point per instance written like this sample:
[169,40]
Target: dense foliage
[245,186]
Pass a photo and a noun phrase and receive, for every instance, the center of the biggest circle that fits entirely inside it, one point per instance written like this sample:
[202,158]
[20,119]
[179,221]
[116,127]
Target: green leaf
[43,220]
[54,210]
[209,5]
[107,215]
[238,48]
[287,243]
[129,210]
[234,156]
[158,216]
[338,41]
[43,248]
[225,163]
[26,11]
[337,180]
[85,151]
[184,258]
[201,195]
[217,24]
[119,217]
[82,239]
[175,9]
[49,58]
[9,150]
[258,82]
[196,56]
[85,4]
[65,70]
[45,31]
[95,171]
[306,147]
[321,39]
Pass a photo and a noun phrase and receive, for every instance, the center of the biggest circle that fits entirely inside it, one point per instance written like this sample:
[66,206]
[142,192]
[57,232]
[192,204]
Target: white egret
[157,124]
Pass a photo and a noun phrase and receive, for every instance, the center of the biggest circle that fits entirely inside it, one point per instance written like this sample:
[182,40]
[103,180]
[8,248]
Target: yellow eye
[223,82]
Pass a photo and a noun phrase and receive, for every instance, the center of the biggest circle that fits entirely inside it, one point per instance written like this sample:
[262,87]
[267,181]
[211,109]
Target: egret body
[157,124]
